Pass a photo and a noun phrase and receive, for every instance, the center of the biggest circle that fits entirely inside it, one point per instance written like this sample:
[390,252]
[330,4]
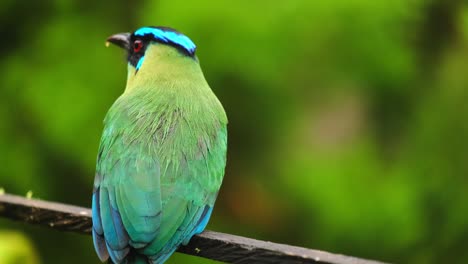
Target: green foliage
[347,118]
[15,248]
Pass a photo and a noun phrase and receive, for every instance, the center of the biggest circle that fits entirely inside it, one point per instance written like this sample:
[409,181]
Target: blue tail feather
[203,222]
[201,225]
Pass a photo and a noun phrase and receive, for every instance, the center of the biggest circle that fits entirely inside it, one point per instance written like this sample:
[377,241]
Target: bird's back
[160,165]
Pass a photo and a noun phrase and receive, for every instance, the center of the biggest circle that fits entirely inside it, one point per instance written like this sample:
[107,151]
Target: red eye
[137,45]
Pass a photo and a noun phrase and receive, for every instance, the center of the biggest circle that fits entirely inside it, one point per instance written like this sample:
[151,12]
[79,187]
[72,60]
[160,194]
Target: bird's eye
[137,45]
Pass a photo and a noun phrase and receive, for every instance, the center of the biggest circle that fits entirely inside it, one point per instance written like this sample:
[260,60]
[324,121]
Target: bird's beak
[121,39]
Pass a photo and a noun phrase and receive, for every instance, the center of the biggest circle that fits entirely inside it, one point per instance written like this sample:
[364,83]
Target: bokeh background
[348,119]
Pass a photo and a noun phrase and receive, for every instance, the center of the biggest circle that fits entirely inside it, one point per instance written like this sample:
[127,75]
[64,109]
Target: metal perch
[212,245]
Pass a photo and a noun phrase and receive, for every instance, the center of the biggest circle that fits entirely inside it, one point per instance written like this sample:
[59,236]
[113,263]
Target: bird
[162,154]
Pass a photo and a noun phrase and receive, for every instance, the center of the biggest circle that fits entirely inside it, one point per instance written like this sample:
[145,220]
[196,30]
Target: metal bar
[212,245]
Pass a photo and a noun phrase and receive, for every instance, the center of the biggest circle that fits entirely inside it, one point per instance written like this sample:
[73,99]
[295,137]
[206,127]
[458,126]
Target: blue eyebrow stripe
[167,36]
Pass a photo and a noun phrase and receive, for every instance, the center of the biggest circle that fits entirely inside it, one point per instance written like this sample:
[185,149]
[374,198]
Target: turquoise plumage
[162,153]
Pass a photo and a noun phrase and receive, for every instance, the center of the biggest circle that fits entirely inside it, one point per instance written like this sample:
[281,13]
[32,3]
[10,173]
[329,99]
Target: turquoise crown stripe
[168,36]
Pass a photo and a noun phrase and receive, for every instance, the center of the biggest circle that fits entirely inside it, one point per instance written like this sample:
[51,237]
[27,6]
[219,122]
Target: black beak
[121,39]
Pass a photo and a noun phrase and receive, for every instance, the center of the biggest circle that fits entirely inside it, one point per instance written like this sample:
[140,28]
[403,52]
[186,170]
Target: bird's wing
[190,195]
[148,203]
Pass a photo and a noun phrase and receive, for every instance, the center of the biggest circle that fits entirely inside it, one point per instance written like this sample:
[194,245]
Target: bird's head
[155,51]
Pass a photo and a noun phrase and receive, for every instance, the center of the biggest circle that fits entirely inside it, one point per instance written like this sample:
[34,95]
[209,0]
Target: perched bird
[162,153]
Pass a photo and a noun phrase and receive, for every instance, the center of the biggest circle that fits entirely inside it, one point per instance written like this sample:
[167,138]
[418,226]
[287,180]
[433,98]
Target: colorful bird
[162,154]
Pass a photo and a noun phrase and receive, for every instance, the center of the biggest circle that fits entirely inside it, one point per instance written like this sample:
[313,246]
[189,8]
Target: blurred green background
[348,119]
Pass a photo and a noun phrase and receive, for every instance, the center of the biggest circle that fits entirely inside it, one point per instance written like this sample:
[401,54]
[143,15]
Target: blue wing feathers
[100,246]
[117,255]
[122,235]
[98,233]
[203,221]
[114,232]
[97,226]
